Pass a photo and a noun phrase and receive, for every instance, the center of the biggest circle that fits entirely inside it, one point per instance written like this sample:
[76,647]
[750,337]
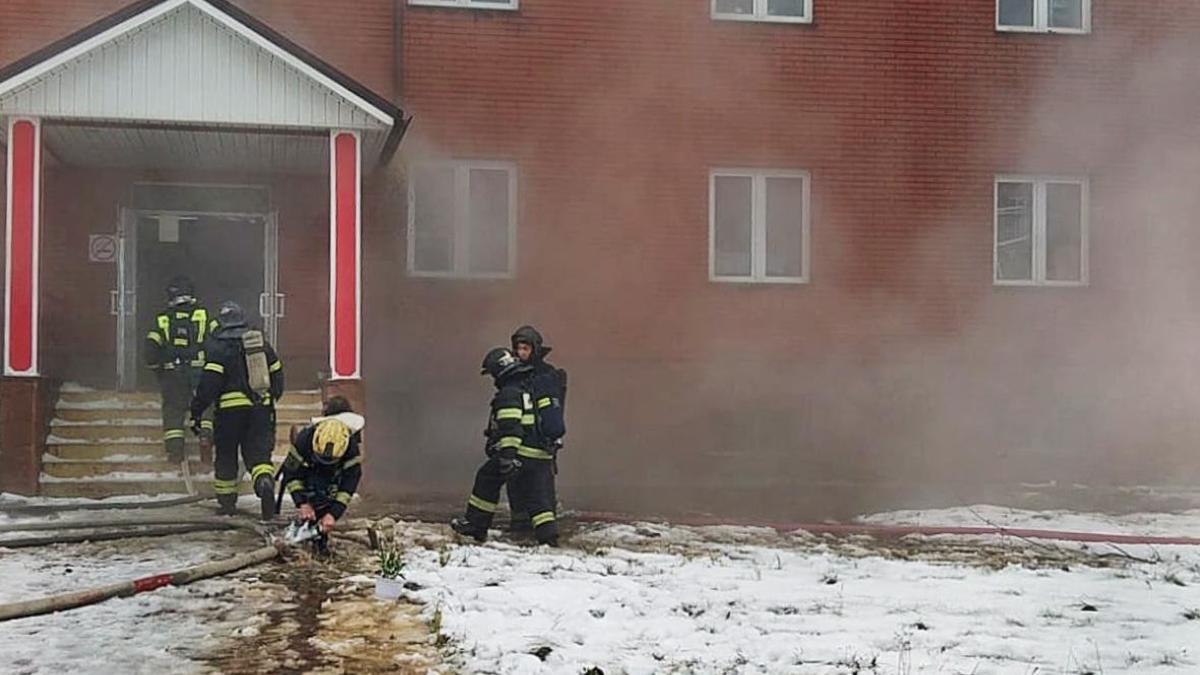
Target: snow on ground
[658,599]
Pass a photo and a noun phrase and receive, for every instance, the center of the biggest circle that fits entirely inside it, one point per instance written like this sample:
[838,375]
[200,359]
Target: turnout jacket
[512,427]
[178,336]
[224,380]
[324,485]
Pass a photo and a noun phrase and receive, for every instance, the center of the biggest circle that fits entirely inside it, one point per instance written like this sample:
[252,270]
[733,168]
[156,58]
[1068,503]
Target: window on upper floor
[1044,16]
[758,226]
[470,4]
[787,11]
[1041,231]
[462,220]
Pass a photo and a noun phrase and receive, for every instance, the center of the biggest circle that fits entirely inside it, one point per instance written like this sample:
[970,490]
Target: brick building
[785,247]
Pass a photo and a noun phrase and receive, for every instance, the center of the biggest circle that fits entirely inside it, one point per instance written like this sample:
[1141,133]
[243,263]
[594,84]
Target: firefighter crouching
[175,352]
[512,446]
[244,378]
[324,466]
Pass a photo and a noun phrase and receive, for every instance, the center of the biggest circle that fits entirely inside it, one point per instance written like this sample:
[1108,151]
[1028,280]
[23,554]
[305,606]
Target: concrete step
[76,397]
[101,432]
[127,451]
[91,468]
[282,417]
[108,488]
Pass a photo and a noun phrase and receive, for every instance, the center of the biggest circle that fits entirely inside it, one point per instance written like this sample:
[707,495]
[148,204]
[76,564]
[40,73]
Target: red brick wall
[901,360]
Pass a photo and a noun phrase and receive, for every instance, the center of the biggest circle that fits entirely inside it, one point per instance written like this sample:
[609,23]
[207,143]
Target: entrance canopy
[192,84]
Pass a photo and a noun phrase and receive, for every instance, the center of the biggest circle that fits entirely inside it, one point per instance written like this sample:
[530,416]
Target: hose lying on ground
[109,535]
[904,530]
[64,601]
[222,522]
[39,509]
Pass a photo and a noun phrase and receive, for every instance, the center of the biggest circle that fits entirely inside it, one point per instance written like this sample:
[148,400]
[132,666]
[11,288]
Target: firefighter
[324,466]
[175,352]
[547,387]
[244,378]
[505,436]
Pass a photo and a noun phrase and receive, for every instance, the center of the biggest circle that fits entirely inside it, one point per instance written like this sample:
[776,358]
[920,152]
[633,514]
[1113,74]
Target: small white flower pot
[388,589]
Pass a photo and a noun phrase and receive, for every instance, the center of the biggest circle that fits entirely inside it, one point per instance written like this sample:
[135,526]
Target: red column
[23,223]
[345,256]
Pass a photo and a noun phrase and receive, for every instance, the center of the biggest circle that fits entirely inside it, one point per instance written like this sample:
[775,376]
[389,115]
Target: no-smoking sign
[102,248]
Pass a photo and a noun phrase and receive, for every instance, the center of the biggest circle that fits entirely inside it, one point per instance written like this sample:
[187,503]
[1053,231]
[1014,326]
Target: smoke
[901,375]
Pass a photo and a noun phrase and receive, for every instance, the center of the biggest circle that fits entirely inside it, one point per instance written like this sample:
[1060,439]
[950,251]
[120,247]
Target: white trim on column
[333,255]
[35,307]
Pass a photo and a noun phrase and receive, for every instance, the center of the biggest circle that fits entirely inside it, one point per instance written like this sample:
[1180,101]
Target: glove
[196,428]
[508,465]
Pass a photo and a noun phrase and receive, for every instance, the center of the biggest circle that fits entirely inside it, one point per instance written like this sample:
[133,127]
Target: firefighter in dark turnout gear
[324,466]
[547,388]
[244,378]
[506,442]
[175,352]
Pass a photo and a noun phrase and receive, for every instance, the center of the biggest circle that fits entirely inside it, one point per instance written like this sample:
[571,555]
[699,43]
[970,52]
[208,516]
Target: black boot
[264,487]
[466,529]
[227,505]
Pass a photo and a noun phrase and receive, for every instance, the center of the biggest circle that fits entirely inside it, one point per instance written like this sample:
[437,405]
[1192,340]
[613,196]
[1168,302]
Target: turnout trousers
[250,429]
[177,386]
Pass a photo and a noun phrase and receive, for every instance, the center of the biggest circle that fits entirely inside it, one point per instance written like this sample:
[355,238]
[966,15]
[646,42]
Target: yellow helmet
[330,440]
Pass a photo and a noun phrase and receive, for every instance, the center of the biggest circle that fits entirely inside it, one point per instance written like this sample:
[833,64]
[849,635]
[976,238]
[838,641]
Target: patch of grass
[391,561]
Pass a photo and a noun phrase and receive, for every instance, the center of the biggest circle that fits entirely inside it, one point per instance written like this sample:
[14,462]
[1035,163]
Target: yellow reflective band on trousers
[482,504]
[508,414]
[215,368]
[234,399]
[262,470]
[172,434]
[343,498]
[510,442]
[225,487]
[294,486]
[527,420]
[276,367]
[533,453]
[542,518]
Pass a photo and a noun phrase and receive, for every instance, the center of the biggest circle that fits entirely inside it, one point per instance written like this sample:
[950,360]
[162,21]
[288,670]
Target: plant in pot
[389,583]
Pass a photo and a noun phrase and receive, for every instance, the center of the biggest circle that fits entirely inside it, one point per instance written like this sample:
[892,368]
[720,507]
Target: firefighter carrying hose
[512,442]
[324,466]
[244,378]
[175,352]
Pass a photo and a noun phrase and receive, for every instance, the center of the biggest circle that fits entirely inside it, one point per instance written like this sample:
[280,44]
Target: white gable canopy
[192,73]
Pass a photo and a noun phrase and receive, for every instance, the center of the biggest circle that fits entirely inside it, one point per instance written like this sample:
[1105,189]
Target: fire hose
[120,529]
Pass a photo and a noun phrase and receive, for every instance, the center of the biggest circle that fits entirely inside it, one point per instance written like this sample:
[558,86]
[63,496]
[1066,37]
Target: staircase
[105,443]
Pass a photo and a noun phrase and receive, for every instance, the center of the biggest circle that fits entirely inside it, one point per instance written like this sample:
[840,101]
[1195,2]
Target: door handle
[112,303]
[262,305]
[280,305]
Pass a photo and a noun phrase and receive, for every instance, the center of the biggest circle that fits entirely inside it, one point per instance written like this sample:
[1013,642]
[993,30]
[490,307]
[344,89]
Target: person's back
[244,378]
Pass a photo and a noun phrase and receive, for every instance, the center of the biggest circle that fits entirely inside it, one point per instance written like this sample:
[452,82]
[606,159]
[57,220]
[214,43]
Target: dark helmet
[231,315]
[500,362]
[530,336]
[180,291]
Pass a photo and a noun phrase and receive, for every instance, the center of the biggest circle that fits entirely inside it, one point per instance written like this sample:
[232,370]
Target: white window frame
[461,253]
[1041,20]
[760,14]
[758,225]
[1038,231]
[512,6]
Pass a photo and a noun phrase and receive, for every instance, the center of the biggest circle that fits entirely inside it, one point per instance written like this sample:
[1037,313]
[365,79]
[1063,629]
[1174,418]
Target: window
[1044,16]
[758,226]
[1041,231]
[462,220]
[788,11]
[470,4]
